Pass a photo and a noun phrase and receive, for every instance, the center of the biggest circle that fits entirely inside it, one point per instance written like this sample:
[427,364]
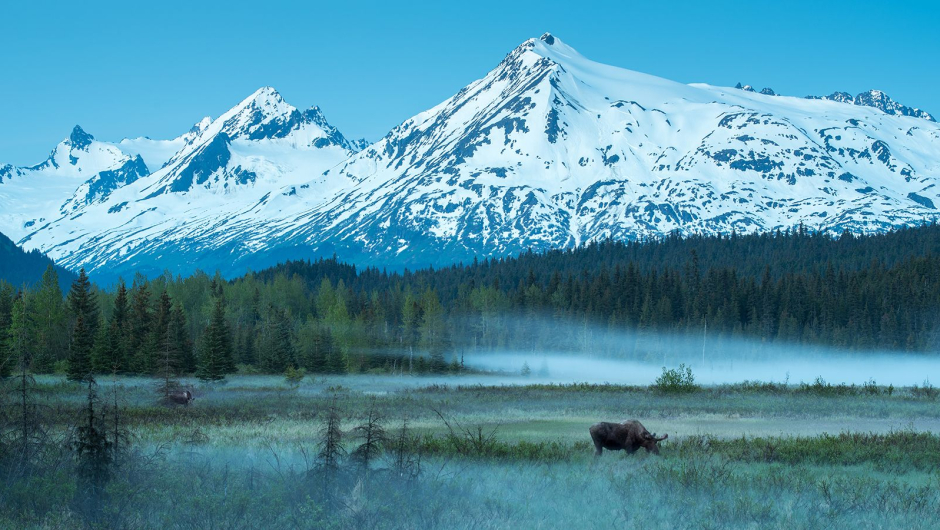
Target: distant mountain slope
[208,187]
[548,150]
[552,150]
[79,171]
[19,267]
[878,100]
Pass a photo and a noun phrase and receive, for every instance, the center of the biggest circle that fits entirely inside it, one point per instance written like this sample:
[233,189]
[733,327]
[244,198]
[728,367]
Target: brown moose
[628,436]
[181,397]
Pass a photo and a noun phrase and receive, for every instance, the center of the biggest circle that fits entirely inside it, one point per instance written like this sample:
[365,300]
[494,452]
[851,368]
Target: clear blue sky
[155,67]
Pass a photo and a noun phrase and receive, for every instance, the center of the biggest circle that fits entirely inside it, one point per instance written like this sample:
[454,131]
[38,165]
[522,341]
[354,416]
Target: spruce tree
[215,359]
[315,346]
[83,301]
[7,360]
[141,345]
[48,315]
[110,355]
[100,351]
[277,348]
[179,330]
[336,362]
[18,346]
[79,361]
[432,330]
[171,357]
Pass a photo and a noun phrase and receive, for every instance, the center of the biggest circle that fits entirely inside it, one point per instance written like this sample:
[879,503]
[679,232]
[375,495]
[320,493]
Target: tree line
[324,316]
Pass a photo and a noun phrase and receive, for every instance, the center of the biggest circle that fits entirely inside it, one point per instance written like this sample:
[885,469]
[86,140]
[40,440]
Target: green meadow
[479,452]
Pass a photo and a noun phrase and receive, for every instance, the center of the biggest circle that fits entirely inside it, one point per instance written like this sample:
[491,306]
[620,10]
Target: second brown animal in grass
[627,436]
[183,397]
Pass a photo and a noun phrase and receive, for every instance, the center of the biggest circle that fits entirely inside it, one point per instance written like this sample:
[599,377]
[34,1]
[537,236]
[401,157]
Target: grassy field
[245,454]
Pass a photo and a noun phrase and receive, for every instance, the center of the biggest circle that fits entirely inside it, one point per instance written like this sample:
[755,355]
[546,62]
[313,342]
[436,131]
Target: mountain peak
[79,139]
[884,103]
[201,125]
[547,38]
[266,95]
[879,100]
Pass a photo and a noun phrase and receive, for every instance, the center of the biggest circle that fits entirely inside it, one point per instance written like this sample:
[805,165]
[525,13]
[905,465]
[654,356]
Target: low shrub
[294,376]
[676,381]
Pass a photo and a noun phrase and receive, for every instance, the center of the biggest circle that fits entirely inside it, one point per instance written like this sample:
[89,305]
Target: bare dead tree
[331,455]
[405,462]
[373,436]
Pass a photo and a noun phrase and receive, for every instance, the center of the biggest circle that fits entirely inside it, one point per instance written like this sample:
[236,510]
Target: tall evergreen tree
[215,359]
[432,330]
[277,347]
[141,343]
[314,346]
[18,344]
[7,360]
[110,354]
[83,301]
[170,355]
[48,315]
[410,313]
[178,330]
[79,361]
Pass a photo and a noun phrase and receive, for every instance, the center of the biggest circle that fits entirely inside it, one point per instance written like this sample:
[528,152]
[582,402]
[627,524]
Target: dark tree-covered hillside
[855,293]
[19,267]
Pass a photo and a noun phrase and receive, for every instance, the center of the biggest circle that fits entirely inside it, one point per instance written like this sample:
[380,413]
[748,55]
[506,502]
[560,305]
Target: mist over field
[601,354]
[883,368]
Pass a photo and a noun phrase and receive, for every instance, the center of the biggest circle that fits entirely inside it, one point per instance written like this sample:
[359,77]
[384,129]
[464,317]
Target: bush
[676,381]
[820,387]
[928,391]
[60,367]
[294,376]
[247,369]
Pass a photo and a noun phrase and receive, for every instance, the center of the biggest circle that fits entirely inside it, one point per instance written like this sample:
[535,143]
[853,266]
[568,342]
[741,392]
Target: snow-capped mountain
[878,100]
[551,149]
[79,171]
[547,150]
[226,177]
[157,152]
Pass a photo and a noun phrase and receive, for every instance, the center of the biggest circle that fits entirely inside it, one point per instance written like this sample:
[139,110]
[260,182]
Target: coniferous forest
[861,293]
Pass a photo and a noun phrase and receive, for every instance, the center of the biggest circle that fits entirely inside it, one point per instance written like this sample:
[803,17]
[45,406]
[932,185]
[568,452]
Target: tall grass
[245,455]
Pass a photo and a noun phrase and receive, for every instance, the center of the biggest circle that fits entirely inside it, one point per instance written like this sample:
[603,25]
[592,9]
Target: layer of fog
[562,352]
[883,369]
